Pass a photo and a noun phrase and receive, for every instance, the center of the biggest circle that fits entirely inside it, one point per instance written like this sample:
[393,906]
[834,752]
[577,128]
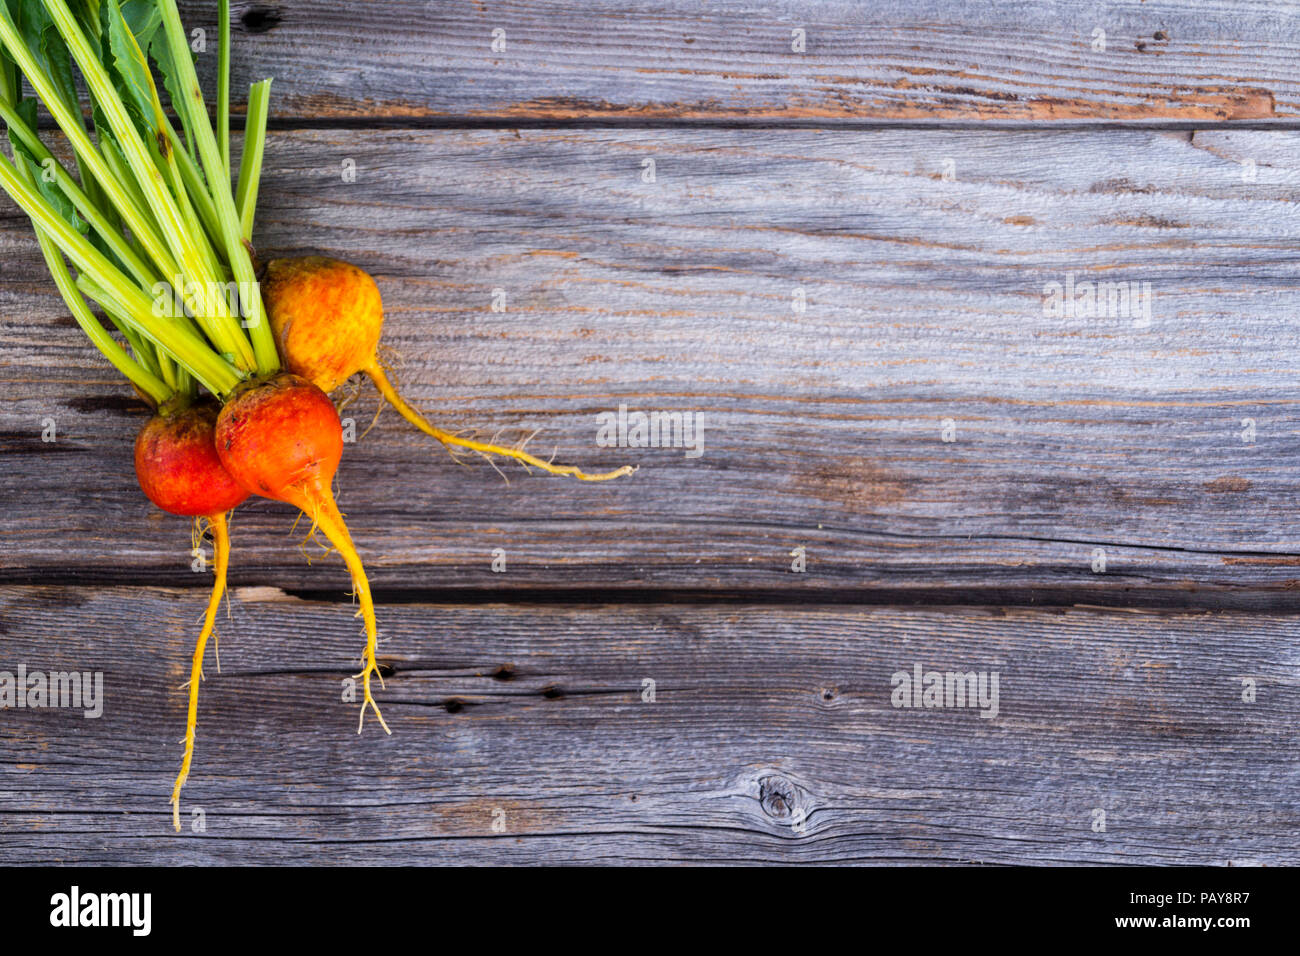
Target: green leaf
[41,178]
[58,61]
[143,18]
[46,45]
[130,70]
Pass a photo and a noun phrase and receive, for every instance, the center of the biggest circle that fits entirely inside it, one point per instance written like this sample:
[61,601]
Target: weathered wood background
[1111,528]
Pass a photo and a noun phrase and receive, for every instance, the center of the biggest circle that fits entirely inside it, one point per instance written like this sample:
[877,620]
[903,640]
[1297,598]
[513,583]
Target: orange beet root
[282,439]
[178,468]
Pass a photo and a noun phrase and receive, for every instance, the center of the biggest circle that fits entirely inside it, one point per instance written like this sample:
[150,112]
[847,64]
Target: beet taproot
[179,470]
[282,439]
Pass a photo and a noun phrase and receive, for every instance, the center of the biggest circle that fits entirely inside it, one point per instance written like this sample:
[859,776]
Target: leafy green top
[150,223]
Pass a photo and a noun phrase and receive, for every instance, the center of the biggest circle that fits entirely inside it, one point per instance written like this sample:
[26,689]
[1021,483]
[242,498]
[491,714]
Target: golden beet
[327,317]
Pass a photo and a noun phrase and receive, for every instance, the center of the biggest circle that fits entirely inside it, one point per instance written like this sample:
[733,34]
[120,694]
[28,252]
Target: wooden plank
[1199,61]
[925,303]
[759,714]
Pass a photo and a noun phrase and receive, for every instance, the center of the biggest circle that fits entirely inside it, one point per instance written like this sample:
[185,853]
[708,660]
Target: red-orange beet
[282,439]
[178,468]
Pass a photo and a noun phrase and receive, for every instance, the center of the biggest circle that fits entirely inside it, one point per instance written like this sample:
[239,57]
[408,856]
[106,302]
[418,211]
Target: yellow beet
[327,316]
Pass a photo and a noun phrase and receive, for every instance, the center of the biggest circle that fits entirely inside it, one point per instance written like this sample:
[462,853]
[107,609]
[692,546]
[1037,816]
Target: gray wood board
[680,61]
[762,717]
[824,428]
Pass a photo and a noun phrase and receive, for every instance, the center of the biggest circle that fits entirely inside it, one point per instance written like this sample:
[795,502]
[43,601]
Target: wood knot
[778,796]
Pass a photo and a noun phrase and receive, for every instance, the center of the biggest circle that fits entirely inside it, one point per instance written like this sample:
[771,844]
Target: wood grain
[761,717]
[825,428]
[626,61]
[1147,467]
